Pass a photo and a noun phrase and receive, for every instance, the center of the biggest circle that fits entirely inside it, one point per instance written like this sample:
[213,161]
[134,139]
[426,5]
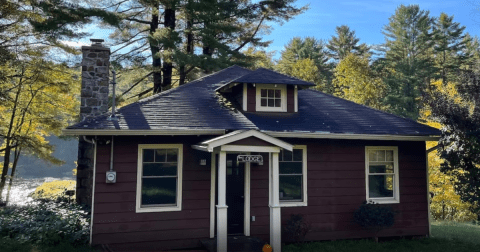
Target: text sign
[250,158]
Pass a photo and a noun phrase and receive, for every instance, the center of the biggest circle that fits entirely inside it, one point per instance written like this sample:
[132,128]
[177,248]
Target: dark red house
[237,152]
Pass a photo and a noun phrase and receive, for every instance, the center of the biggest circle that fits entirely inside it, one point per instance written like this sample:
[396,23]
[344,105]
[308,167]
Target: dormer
[265,90]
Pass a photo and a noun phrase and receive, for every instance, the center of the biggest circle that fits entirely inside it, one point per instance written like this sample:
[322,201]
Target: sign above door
[258,159]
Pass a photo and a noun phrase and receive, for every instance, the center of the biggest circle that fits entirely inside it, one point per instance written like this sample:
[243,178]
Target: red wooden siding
[251,98]
[336,187]
[259,200]
[290,99]
[115,220]
[253,141]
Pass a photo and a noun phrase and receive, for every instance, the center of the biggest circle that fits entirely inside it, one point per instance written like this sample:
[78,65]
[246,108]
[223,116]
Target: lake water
[22,188]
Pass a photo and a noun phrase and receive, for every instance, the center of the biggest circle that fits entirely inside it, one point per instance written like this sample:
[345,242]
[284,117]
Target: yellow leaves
[355,81]
[305,69]
[54,189]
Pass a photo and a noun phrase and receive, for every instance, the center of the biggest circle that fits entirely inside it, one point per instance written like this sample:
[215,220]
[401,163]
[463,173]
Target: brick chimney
[94,101]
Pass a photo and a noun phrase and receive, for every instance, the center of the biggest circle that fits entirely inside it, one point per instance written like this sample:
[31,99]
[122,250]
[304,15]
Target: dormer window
[271,98]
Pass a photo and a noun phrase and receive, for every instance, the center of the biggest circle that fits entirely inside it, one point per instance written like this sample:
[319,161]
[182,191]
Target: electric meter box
[111,176]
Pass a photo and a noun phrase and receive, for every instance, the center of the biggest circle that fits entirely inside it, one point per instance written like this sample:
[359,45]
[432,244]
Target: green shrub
[374,217]
[296,228]
[45,223]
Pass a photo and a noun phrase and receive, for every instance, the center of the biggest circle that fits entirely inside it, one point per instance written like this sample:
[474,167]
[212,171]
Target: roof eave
[157,132]
[351,136]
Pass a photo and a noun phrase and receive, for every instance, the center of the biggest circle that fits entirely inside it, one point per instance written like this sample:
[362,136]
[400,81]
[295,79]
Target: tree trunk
[6,162]
[169,15]
[183,74]
[156,64]
[14,167]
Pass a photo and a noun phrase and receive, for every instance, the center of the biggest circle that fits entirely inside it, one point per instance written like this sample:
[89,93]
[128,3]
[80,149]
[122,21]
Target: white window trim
[304,201]
[178,207]
[396,188]
[283,91]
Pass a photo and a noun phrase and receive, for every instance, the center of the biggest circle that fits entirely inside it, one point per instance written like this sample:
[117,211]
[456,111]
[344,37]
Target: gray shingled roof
[196,105]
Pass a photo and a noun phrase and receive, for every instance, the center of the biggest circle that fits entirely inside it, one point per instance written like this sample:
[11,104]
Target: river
[22,188]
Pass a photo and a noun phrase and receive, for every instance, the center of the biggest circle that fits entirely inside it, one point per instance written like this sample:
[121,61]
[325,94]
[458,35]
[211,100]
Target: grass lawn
[446,237]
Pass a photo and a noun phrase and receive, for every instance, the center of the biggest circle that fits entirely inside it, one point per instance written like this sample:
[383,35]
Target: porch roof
[238,135]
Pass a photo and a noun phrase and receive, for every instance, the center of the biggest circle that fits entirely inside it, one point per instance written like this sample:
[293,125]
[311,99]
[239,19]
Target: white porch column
[275,217]
[222,207]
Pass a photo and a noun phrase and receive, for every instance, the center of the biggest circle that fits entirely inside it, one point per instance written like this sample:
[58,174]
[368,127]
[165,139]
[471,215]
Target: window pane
[381,168]
[297,155]
[277,93]
[290,187]
[263,102]
[148,155]
[389,155]
[156,191]
[160,169]
[380,186]
[381,155]
[160,155]
[278,103]
[287,155]
[290,167]
[270,93]
[372,155]
[172,155]
[270,102]
[263,93]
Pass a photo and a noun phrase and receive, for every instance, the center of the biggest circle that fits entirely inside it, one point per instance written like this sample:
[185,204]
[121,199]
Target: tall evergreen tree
[345,43]
[183,37]
[299,49]
[450,44]
[408,52]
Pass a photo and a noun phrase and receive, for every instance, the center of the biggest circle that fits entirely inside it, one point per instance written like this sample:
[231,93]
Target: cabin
[236,153]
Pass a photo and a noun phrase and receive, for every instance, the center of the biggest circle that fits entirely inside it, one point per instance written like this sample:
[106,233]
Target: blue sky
[366,17]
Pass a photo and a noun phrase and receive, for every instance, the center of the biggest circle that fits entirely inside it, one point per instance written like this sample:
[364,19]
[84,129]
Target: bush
[296,228]
[55,190]
[45,223]
[374,217]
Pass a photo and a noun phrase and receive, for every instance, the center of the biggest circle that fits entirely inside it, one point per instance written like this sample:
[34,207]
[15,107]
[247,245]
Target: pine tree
[299,49]
[189,38]
[450,44]
[345,43]
[408,53]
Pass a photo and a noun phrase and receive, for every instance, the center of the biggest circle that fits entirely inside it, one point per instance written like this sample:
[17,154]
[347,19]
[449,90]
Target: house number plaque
[250,159]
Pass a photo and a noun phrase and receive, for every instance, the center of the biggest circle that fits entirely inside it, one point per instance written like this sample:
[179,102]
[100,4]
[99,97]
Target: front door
[235,195]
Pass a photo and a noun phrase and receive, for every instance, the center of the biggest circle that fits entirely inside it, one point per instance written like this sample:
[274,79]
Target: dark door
[235,195]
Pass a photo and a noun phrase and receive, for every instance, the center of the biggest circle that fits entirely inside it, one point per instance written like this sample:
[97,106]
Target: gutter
[327,135]
[170,132]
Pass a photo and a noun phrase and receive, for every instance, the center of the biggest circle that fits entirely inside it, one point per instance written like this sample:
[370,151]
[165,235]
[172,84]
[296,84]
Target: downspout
[94,142]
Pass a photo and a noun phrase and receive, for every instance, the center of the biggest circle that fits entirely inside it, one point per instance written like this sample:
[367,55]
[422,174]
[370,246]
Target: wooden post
[275,214]
[222,207]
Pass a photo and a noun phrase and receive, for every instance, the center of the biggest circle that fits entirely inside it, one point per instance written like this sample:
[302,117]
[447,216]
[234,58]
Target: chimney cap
[96,41]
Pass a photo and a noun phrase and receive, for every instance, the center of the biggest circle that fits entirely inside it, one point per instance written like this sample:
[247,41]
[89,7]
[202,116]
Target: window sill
[384,201]
[157,209]
[293,204]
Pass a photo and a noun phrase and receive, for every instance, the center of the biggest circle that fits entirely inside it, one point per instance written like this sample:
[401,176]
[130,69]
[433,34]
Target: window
[382,174]
[159,178]
[271,98]
[293,177]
